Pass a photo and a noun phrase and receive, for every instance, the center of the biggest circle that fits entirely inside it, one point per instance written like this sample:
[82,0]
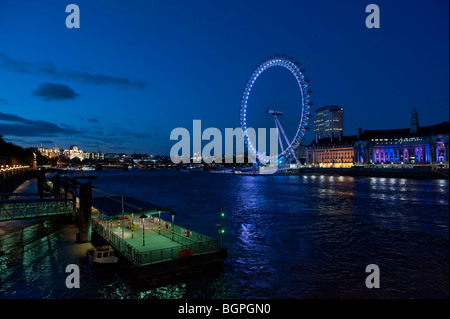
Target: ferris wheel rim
[288,64]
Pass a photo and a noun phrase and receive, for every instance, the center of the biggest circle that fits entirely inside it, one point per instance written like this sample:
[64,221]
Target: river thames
[308,236]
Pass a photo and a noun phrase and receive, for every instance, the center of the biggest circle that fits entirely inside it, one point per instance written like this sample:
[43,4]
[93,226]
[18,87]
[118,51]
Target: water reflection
[288,237]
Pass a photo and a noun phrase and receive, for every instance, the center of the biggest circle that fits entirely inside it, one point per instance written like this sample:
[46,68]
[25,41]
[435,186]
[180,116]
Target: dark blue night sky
[135,70]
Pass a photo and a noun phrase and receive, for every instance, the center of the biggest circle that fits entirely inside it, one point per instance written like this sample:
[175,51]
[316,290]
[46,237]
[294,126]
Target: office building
[329,122]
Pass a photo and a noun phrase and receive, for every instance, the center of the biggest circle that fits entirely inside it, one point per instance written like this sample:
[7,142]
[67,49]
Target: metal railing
[32,208]
[181,235]
[141,258]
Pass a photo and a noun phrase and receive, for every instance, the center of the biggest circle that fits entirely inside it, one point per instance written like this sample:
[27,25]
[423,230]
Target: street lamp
[173,225]
[143,217]
[132,221]
[159,220]
[132,224]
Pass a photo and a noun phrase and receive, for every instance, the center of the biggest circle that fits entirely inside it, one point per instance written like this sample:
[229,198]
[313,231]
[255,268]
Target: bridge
[56,196]
[14,206]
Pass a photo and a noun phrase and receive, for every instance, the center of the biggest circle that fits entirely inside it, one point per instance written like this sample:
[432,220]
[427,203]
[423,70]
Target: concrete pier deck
[157,241]
[142,242]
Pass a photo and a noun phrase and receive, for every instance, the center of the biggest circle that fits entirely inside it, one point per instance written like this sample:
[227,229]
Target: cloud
[53,91]
[14,125]
[3,101]
[93,120]
[101,79]
[15,140]
[30,142]
[17,66]
[50,69]
[26,132]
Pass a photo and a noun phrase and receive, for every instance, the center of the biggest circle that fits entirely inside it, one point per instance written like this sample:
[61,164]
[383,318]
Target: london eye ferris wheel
[288,148]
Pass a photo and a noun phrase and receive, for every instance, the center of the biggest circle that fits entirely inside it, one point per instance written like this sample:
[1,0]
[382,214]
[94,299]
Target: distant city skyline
[134,72]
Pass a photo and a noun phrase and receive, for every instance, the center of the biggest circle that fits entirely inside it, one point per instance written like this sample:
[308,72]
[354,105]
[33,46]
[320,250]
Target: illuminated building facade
[332,152]
[49,152]
[329,122]
[416,145]
[74,152]
[93,156]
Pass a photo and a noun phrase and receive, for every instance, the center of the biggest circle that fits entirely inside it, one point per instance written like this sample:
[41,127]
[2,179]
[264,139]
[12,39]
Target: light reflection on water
[288,237]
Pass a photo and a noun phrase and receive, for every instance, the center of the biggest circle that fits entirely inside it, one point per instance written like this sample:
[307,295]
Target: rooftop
[442,128]
[343,141]
[112,206]
[329,107]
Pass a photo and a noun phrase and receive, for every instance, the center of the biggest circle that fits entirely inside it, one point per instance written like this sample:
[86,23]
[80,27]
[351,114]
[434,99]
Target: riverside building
[414,145]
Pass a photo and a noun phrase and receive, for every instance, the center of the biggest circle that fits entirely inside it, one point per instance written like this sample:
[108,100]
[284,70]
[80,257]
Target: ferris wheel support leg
[275,119]
[291,151]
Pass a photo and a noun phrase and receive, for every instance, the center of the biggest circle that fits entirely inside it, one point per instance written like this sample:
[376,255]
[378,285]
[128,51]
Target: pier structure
[146,240]
[136,229]
[78,191]
[146,243]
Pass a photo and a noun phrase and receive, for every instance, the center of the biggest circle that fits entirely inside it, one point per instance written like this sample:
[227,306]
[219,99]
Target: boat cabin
[104,254]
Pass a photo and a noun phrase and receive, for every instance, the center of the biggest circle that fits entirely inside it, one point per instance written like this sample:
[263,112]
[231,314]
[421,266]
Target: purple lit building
[414,145]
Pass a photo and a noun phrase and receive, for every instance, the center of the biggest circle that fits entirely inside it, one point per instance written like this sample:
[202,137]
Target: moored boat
[102,256]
